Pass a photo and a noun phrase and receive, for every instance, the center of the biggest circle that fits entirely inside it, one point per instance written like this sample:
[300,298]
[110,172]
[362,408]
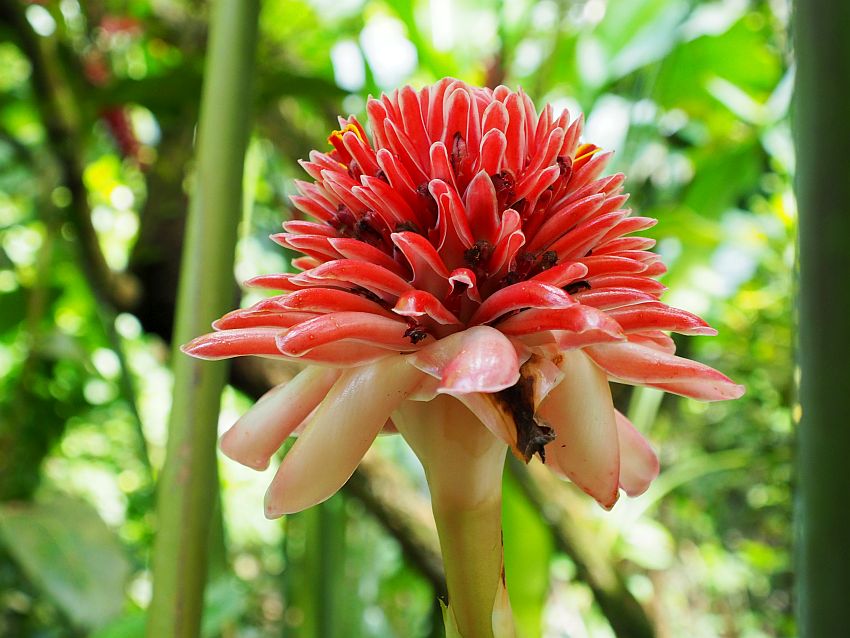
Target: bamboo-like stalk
[186,491]
[822,131]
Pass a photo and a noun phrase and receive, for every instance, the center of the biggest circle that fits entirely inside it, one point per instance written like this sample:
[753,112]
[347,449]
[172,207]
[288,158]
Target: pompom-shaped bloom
[470,248]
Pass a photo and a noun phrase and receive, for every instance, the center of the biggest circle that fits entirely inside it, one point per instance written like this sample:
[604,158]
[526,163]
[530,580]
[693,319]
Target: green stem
[463,464]
[188,481]
[823,191]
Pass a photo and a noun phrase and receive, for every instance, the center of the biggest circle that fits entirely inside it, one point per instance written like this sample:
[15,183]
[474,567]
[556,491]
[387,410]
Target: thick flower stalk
[469,280]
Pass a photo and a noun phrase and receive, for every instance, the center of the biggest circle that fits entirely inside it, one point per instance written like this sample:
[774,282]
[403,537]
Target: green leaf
[131,625]
[68,551]
[634,33]
[686,75]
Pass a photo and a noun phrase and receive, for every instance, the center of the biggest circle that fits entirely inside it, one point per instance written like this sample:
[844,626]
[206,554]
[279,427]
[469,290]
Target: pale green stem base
[463,464]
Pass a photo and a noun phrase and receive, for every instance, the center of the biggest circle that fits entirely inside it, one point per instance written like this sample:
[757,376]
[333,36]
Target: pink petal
[429,271]
[343,354]
[598,265]
[525,294]
[658,316]
[481,207]
[234,343]
[654,339]
[562,274]
[638,282]
[609,298]
[335,439]
[575,244]
[360,327]
[260,432]
[638,462]
[639,365]
[479,359]
[261,317]
[361,251]
[352,273]
[418,303]
[581,412]
[576,318]
[463,280]
[560,221]
[325,300]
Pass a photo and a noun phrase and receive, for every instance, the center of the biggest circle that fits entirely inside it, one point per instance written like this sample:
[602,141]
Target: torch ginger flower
[470,280]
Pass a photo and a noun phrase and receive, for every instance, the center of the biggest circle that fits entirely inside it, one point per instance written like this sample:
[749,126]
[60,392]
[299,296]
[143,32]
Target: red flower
[470,249]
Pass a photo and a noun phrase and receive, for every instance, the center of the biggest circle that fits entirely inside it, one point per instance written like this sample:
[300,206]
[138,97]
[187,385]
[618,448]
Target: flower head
[469,249]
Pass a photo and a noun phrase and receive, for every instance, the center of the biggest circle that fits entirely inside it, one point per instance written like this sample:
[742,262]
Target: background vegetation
[98,106]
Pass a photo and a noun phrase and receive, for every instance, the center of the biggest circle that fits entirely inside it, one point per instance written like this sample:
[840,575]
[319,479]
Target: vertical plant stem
[186,491]
[463,464]
[823,191]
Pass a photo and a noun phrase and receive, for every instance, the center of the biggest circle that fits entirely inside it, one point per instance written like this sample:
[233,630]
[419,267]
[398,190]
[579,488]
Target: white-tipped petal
[638,461]
[586,446]
[260,432]
[339,433]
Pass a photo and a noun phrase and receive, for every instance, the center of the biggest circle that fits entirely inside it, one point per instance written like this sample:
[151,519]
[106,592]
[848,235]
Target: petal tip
[200,348]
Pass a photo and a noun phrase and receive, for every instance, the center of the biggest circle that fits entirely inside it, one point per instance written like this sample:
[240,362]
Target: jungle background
[98,108]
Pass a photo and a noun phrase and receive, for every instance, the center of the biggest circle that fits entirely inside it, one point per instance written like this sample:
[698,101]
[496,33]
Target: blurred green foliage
[692,95]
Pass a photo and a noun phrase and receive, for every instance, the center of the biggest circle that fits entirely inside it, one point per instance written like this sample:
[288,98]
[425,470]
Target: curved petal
[338,435]
[479,359]
[418,303]
[482,207]
[576,318]
[234,343]
[260,432]
[610,298]
[261,317]
[361,327]
[562,274]
[598,265]
[525,294]
[429,271]
[581,412]
[325,300]
[464,280]
[639,365]
[561,220]
[638,461]
[361,251]
[654,339]
[354,273]
[659,316]
[343,354]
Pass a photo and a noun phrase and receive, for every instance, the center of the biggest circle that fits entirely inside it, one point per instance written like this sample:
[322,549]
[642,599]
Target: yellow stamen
[336,136]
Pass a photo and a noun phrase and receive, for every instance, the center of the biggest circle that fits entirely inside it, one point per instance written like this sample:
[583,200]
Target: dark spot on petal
[565,164]
[504,185]
[428,201]
[548,260]
[407,226]
[478,254]
[532,434]
[371,296]
[459,153]
[415,333]
[577,286]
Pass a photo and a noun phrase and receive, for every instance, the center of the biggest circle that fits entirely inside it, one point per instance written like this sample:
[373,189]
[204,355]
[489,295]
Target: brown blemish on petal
[518,400]
[577,286]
